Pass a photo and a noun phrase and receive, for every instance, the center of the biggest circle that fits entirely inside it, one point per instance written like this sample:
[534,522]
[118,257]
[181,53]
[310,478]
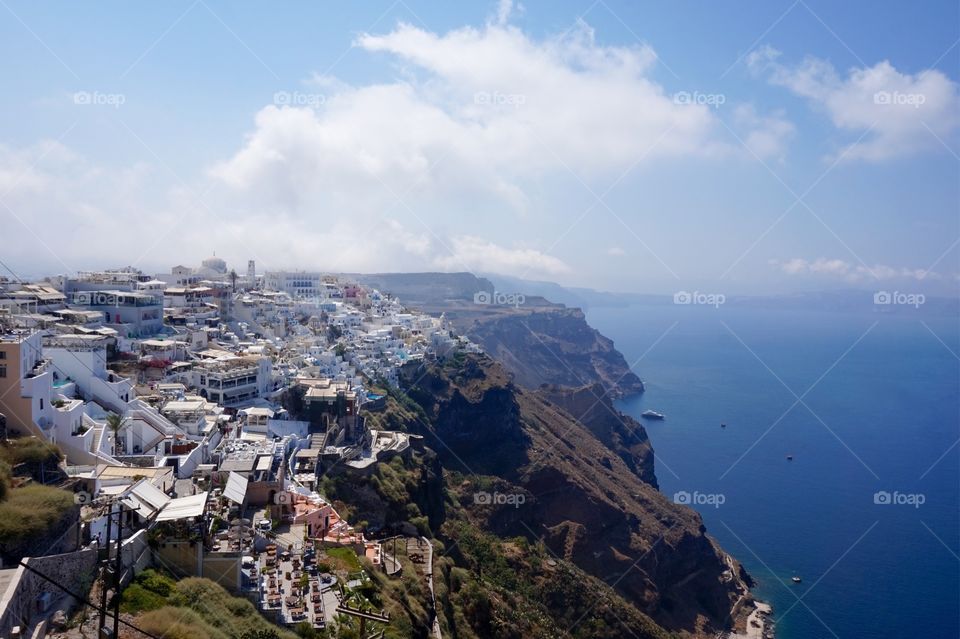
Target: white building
[297,283]
[232,381]
[82,360]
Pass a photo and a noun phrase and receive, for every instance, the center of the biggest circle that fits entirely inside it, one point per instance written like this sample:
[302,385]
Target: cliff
[622,434]
[538,341]
[549,345]
[580,498]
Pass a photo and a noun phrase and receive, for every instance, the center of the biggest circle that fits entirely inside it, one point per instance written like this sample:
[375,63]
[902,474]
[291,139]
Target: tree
[233,279]
[115,423]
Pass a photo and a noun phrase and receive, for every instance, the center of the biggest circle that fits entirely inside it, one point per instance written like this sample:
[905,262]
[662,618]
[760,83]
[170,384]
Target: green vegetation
[115,424]
[195,608]
[6,480]
[30,514]
[150,590]
[30,450]
[346,556]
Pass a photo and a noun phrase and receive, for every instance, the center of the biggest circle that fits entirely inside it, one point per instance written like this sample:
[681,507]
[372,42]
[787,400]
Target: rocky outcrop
[550,345]
[580,497]
[540,342]
[593,407]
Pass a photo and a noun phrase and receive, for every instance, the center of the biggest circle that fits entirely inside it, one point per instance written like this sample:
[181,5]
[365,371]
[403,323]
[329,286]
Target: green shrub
[156,582]
[346,555]
[136,598]
[30,514]
[30,450]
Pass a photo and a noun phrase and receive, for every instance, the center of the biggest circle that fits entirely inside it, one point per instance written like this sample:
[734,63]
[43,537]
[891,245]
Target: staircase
[97,436]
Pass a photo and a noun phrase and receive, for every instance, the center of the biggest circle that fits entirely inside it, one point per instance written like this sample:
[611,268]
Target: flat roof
[183,406]
[133,471]
[259,411]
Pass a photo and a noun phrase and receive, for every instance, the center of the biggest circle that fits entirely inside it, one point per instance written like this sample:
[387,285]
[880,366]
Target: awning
[184,507]
[236,489]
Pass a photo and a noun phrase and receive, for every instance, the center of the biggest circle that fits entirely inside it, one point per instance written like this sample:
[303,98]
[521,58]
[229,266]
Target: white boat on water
[652,414]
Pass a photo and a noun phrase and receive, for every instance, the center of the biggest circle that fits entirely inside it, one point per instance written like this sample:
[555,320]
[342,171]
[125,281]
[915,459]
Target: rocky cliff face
[549,345]
[593,407]
[540,342]
[588,503]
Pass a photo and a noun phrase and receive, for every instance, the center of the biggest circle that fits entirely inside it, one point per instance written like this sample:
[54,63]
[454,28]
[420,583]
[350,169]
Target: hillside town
[196,414]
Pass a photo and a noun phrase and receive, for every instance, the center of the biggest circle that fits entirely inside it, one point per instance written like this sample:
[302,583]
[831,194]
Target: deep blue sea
[880,410]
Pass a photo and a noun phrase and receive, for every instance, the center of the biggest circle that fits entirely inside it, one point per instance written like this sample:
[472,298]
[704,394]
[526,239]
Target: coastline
[758,624]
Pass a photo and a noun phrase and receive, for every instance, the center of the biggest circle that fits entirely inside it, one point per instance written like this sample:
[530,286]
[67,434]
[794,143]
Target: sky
[737,147]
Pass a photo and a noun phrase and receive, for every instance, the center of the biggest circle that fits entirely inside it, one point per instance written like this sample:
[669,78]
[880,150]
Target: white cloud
[474,254]
[504,10]
[429,170]
[766,135]
[899,113]
[478,118]
[841,269]
[488,107]
[616,251]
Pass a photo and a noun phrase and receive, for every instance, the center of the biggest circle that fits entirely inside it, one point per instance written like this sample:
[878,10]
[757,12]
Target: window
[41,403]
[3,371]
[3,354]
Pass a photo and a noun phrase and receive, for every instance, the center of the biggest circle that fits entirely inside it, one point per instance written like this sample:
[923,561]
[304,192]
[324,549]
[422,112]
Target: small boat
[723,425]
[652,414]
[789,457]
[795,579]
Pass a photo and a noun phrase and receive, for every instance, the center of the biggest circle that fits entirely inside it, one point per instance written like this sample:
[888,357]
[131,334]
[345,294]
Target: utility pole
[117,572]
[103,573]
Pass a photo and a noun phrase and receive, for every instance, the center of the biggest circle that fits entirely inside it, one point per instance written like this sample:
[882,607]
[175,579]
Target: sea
[867,404]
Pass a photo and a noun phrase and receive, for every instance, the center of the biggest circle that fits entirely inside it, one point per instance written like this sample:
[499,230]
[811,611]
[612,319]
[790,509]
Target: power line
[84,599]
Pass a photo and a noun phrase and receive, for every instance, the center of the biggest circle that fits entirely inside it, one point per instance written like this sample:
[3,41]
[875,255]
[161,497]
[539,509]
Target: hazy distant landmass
[883,299]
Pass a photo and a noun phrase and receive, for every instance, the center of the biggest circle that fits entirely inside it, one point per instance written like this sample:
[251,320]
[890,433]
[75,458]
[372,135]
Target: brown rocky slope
[579,497]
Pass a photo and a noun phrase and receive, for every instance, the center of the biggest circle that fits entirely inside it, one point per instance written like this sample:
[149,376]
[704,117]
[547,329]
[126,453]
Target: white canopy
[184,507]
[236,489]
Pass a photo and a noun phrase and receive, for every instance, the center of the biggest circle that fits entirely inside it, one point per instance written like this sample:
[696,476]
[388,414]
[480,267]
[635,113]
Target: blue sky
[737,147]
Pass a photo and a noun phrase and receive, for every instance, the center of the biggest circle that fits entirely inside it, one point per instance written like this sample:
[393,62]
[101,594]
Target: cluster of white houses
[164,394]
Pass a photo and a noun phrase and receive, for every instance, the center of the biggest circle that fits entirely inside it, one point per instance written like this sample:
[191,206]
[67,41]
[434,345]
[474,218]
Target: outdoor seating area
[290,586]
